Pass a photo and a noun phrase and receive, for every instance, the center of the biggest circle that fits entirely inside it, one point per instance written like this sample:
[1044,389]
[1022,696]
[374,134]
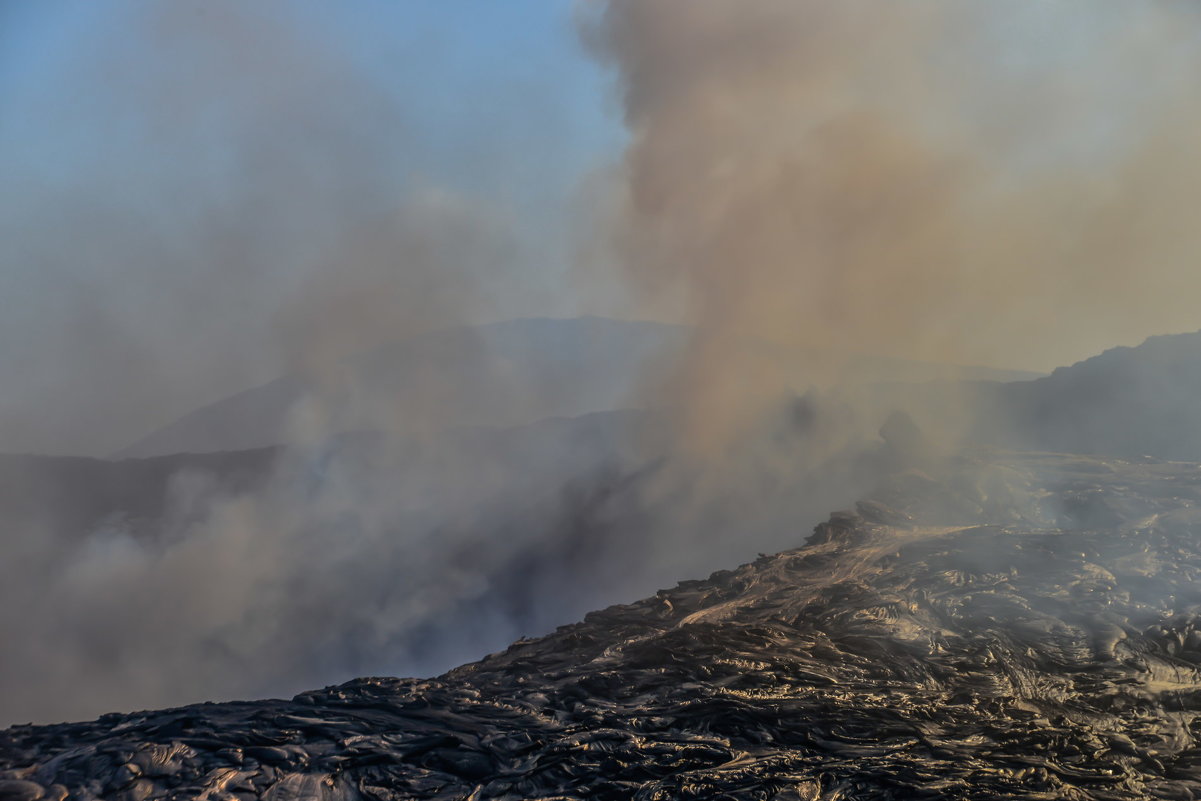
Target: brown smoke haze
[997,183]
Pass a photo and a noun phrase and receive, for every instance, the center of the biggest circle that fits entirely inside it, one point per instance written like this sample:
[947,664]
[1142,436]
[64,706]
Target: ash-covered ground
[1014,626]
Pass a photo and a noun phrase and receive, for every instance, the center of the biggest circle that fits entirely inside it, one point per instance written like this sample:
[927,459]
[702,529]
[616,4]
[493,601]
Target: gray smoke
[199,197]
[241,195]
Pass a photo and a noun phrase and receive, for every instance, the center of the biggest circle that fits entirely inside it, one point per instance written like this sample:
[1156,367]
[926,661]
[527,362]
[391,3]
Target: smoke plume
[999,183]
[200,197]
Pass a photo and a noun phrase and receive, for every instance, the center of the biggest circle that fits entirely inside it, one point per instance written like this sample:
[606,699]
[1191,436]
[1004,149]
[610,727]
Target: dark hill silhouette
[1123,402]
[503,374]
[499,375]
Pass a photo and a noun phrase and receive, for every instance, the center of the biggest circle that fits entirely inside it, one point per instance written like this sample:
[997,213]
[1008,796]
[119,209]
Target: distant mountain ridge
[1127,401]
[499,375]
[502,374]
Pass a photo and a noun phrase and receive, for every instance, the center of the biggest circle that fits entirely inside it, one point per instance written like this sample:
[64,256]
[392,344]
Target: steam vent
[1022,626]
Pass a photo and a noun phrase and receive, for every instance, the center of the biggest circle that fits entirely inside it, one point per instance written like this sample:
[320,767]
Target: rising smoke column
[972,182]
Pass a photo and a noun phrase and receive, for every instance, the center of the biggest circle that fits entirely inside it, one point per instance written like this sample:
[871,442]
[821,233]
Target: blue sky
[457,64]
[173,174]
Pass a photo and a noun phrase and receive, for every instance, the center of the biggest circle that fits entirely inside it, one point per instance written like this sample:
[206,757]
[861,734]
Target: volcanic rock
[1022,626]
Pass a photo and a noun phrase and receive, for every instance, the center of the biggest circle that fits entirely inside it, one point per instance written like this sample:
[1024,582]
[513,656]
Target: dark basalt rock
[1027,627]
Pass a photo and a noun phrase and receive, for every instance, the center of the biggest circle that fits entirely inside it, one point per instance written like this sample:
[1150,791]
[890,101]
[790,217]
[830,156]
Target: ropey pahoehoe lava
[1007,626]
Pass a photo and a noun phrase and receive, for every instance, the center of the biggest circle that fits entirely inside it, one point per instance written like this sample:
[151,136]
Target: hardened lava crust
[1012,626]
